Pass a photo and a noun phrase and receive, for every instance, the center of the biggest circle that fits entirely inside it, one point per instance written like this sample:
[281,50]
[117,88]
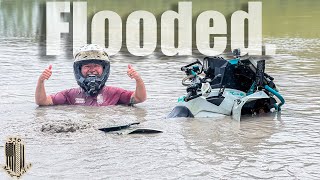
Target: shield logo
[16,164]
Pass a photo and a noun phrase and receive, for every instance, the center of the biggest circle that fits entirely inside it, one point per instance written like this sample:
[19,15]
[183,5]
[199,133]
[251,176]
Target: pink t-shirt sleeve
[125,96]
[60,97]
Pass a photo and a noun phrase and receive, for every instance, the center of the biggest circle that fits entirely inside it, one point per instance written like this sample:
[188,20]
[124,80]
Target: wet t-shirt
[107,96]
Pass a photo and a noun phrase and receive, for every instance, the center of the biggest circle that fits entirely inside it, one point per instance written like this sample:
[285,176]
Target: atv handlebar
[194,70]
[184,68]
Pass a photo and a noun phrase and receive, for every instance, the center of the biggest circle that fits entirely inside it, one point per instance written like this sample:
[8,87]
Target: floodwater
[63,142]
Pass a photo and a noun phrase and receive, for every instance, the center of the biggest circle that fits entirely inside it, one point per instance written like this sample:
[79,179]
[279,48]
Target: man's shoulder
[119,95]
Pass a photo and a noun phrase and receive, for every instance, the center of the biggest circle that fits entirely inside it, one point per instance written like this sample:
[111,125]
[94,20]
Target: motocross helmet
[91,54]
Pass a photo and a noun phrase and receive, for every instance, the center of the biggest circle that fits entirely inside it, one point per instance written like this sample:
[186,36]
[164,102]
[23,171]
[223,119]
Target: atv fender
[238,103]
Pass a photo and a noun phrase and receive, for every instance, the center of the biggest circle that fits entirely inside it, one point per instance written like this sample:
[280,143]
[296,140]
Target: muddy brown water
[63,142]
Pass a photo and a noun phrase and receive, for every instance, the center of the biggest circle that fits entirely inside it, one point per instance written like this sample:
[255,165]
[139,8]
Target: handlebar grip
[186,66]
[268,76]
[183,68]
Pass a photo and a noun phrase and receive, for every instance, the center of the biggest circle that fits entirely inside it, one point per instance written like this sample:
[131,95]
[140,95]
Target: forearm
[140,93]
[41,96]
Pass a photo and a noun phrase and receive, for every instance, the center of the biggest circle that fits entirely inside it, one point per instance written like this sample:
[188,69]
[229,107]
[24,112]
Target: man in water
[91,70]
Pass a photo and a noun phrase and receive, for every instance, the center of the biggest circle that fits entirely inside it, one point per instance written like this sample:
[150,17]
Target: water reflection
[222,134]
[21,18]
[290,19]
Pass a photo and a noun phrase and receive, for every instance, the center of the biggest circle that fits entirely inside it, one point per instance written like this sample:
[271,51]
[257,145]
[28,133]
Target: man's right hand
[46,74]
[40,96]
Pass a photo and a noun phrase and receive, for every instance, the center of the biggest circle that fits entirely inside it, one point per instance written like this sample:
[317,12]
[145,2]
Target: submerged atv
[230,87]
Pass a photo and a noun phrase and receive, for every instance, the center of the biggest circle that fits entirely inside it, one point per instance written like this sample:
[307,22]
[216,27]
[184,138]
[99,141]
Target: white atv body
[234,87]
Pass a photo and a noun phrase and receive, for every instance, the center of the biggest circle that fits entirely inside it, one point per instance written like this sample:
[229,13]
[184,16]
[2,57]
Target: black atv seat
[214,66]
[232,76]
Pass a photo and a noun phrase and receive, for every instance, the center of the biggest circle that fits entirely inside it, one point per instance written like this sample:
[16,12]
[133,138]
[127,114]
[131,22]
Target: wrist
[139,80]
[40,80]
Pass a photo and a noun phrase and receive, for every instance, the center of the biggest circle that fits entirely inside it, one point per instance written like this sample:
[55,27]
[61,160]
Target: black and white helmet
[91,54]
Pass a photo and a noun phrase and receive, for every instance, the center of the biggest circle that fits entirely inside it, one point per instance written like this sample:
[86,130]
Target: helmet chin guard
[91,54]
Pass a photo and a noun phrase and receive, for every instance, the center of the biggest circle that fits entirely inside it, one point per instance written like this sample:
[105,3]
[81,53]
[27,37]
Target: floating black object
[145,131]
[117,128]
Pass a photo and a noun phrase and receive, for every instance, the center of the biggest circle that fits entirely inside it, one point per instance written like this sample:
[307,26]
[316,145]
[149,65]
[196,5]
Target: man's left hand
[140,93]
[132,73]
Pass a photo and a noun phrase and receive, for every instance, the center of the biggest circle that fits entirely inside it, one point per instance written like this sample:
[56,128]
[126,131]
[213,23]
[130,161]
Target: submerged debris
[64,128]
